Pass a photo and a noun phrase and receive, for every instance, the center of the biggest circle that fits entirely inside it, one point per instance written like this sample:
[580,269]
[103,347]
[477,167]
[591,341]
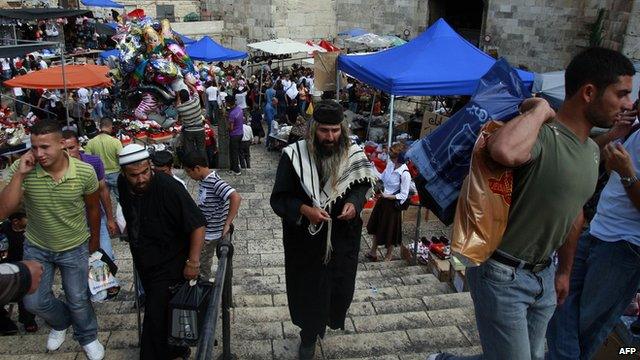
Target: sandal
[373,258]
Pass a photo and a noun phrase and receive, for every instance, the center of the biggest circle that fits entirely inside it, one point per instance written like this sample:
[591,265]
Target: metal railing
[220,299]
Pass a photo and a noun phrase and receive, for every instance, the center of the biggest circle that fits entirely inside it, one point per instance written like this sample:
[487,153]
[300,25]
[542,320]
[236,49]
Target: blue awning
[208,50]
[102,3]
[437,62]
[186,40]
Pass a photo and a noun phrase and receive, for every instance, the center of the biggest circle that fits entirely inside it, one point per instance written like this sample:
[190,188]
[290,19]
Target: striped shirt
[213,201]
[190,114]
[56,210]
[148,104]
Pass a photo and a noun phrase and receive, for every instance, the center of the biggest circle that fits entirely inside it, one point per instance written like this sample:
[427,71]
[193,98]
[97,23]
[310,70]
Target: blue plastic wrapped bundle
[443,156]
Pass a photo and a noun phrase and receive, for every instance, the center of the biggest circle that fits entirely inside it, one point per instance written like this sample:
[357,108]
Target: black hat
[162,158]
[328,112]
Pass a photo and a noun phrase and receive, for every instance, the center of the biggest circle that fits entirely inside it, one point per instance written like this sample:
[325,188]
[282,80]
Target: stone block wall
[383,17]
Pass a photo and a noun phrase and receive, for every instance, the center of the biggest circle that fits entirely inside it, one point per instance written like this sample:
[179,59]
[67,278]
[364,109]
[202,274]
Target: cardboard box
[439,268]
[430,121]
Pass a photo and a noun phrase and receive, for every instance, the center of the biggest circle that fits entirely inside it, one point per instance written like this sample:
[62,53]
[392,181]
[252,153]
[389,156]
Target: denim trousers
[112,181]
[74,271]
[105,238]
[513,307]
[604,279]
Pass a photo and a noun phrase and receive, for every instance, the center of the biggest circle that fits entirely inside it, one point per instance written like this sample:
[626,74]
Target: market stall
[71,77]
[206,49]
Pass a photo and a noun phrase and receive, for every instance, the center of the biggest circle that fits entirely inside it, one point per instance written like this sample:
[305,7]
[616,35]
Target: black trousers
[234,152]
[245,154]
[156,282]
[193,141]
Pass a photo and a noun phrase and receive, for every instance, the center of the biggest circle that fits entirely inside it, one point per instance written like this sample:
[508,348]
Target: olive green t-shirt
[108,148]
[548,193]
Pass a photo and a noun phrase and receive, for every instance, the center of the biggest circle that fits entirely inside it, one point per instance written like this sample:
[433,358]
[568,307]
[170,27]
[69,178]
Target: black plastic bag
[186,312]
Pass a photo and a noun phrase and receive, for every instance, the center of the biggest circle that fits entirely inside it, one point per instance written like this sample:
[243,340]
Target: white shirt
[617,218]
[83,95]
[43,64]
[17,91]
[212,93]
[396,181]
[5,64]
[247,133]
[221,96]
[241,99]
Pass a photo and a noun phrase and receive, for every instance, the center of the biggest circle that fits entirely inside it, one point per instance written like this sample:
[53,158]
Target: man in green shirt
[60,193]
[107,147]
[555,169]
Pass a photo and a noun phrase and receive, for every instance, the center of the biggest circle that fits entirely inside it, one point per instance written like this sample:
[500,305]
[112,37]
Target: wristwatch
[628,181]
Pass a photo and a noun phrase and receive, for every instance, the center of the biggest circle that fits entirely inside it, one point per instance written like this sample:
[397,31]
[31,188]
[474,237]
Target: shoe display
[94,350]
[55,339]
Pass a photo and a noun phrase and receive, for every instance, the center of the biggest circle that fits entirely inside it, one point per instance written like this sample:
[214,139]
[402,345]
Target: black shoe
[445,240]
[435,240]
[7,326]
[635,327]
[306,352]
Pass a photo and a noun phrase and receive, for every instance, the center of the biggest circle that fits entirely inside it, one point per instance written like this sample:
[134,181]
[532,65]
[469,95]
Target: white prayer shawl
[357,169]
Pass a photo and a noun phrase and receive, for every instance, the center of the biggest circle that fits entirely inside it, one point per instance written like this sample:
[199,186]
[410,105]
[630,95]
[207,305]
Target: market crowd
[554,288]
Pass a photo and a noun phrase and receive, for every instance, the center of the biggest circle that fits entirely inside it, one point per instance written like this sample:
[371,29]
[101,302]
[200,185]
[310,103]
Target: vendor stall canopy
[353,32]
[76,76]
[281,46]
[206,49]
[42,13]
[25,47]
[437,62]
[102,3]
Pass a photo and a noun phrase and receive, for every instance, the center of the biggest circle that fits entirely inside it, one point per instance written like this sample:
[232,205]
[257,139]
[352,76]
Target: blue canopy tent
[185,40]
[437,62]
[353,32]
[208,50]
[102,3]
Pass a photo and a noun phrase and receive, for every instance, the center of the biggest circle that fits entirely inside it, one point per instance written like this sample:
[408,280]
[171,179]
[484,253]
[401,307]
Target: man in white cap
[166,231]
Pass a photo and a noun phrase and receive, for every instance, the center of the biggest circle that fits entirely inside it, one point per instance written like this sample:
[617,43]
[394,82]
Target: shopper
[163,162]
[245,146]
[107,147]
[236,131]
[190,114]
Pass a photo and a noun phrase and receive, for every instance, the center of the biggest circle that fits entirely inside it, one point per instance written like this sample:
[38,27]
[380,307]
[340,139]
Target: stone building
[540,34]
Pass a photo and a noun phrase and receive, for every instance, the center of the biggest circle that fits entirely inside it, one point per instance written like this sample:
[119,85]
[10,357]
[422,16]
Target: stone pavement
[398,311]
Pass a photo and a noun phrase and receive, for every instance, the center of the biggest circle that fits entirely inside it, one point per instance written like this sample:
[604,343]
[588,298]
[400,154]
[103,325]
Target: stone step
[380,288]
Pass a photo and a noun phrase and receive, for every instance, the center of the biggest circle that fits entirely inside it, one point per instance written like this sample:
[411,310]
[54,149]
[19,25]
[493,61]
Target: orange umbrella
[76,76]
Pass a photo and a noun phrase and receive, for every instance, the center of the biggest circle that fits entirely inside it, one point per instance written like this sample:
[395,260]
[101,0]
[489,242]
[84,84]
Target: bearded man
[321,185]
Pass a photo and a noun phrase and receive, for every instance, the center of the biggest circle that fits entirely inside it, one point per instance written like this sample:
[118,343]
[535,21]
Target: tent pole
[15,36]
[371,114]
[393,97]
[64,83]
[338,86]
[260,91]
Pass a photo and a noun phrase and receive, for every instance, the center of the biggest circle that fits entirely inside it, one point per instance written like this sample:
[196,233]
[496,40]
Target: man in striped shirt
[218,202]
[190,113]
[57,190]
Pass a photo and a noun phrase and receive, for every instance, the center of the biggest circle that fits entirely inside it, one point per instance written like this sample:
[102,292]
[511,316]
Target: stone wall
[545,34]
[305,20]
[383,17]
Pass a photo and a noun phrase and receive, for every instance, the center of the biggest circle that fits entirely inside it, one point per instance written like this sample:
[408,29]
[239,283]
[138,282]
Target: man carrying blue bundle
[555,168]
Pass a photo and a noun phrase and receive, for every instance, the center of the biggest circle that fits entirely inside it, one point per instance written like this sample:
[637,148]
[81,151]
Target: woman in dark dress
[256,124]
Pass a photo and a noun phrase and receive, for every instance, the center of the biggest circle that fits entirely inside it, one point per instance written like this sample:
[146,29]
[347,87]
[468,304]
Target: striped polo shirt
[56,210]
[213,201]
[190,114]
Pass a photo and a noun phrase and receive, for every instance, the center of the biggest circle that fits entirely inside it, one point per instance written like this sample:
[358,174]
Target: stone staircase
[398,311]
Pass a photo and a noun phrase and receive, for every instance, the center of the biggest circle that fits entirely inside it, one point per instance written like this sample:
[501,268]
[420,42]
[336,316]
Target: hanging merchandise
[186,311]
[444,155]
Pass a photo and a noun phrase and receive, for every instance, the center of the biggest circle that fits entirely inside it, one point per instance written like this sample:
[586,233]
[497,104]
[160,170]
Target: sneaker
[94,350]
[433,356]
[231,172]
[56,338]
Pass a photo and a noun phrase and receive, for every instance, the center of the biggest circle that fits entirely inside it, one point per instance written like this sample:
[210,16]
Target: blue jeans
[513,307]
[74,271]
[604,278]
[105,238]
[112,181]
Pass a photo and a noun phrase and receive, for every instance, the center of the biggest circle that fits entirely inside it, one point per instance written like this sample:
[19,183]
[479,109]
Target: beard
[328,157]
[596,117]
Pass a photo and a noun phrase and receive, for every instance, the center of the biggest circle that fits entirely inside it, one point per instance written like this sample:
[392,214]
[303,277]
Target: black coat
[318,294]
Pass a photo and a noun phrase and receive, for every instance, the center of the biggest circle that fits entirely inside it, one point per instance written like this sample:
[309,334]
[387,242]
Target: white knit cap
[132,153]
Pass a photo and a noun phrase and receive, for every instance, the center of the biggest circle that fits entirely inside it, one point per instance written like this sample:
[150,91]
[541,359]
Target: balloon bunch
[152,61]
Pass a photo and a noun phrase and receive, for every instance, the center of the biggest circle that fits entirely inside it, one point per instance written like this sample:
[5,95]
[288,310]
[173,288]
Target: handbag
[403,205]
[186,312]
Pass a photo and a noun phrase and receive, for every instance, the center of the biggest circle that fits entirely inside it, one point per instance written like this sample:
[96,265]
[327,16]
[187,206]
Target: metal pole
[226,305]
[371,114]
[64,83]
[15,36]
[390,137]
[338,85]
[415,240]
[260,91]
